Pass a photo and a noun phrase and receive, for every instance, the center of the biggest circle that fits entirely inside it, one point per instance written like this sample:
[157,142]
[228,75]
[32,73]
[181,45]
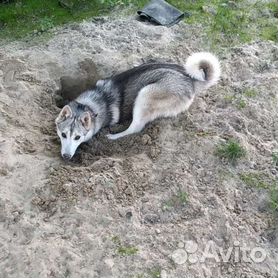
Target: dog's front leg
[134,127]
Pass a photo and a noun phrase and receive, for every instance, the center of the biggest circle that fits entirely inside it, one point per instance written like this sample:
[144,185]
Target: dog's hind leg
[153,101]
[139,121]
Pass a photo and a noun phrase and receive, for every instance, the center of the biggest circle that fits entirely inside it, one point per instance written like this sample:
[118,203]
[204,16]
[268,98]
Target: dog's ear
[65,113]
[86,120]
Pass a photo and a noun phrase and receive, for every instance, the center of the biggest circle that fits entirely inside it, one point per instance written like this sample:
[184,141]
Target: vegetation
[241,104]
[261,180]
[275,158]
[226,22]
[231,150]
[177,200]
[155,272]
[21,17]
[250,92]
[122,249]
[127,250]
[274,198]
[240,98]
[254,179]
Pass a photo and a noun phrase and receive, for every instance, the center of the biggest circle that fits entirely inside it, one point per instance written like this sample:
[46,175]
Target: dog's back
[151,91]
[130,82]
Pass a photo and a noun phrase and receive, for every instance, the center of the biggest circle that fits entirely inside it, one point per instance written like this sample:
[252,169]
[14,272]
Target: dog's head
[74,126]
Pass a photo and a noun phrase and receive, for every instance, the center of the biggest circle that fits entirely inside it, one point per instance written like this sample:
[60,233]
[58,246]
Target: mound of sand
[151,194]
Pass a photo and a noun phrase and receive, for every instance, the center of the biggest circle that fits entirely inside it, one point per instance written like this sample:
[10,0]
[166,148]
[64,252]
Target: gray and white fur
[142,94]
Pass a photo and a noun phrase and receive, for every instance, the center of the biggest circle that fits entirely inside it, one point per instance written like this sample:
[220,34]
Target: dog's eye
[77,137]
[64,135]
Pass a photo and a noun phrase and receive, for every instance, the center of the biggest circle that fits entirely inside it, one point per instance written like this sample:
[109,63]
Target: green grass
[236,99]
[230,150]
[268,28]
[225,22]
[258,180]
[240,99]
[241,104]
[274,198]
[275,158]
[116,240]
[229,98]
[127,250]
[230,22]
[177,200]
[155,272]
[273,7]
[261,180]
[250,92]
[22,17]
[124,250]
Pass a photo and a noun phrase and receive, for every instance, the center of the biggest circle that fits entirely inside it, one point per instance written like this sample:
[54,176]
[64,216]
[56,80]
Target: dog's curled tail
[204,67]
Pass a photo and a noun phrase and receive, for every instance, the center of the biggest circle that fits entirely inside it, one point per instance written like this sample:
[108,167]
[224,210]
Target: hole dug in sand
[73,86]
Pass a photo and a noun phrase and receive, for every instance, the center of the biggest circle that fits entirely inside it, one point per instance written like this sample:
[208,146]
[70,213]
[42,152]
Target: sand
[136,207]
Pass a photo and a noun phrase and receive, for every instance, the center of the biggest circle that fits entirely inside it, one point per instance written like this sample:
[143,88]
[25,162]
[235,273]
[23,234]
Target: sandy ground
[119,208]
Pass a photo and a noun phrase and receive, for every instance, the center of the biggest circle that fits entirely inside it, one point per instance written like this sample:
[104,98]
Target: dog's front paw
[112,136]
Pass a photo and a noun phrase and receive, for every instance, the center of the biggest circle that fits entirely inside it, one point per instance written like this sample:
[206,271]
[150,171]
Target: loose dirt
[158,191]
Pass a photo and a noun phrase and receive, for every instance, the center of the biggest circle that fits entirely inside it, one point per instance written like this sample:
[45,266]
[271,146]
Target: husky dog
[142,94]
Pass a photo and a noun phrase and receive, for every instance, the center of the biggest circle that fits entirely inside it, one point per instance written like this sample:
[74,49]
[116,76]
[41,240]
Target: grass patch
[269,33]
[269,28]
[178,200]
[273,7]
[229,98]
[250,92]
[127,250]
[231,22]
[231,150]
[22,17]
[241,104]
[124,250]
[275,158]
[116,240]
[226,22]
[258,180]
[236,100]
[261,180]
[240,98]
[45,24]
[274,198]
[155,272]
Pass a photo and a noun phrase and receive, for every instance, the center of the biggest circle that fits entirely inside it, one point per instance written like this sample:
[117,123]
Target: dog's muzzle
[67,156]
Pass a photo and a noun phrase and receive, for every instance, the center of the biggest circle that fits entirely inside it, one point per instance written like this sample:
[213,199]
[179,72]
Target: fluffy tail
[204,67]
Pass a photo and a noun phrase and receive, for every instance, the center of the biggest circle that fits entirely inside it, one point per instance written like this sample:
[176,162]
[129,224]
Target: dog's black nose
[66,156]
